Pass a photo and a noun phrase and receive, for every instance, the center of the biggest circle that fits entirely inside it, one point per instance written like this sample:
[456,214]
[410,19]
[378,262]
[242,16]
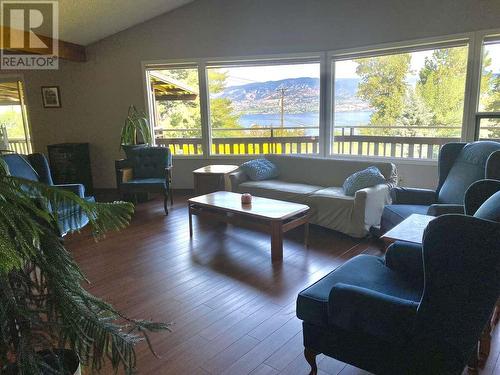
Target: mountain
[301,95]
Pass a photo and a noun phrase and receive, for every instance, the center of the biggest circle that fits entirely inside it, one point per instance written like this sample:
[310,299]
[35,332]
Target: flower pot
[69,359]
[127,148]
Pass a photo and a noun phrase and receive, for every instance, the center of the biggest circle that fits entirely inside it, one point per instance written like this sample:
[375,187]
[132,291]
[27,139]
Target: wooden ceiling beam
[67,51]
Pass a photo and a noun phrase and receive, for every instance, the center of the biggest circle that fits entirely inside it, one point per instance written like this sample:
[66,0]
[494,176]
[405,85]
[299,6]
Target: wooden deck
[233,312]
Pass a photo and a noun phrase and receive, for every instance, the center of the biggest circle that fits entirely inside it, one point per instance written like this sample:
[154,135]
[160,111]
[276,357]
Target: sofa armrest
[406,258]
[237,177]
[442,209]
[366,311]
[372,201]
[402,195]
[77,189]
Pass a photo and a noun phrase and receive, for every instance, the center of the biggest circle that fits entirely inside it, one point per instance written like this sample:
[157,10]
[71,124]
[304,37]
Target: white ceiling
[87,21]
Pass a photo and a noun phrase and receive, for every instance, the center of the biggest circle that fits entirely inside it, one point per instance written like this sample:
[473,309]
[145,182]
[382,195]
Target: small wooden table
[410,229]
[273,216]
[212,178]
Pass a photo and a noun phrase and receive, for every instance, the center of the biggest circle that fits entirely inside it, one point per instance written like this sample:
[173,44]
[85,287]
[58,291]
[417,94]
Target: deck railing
[20,146]
[305,140]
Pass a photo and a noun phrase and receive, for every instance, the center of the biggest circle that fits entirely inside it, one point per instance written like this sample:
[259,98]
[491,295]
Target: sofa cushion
[277,189]
[395,213]
[469,166]
[365,271]
[368,177]
[260,169]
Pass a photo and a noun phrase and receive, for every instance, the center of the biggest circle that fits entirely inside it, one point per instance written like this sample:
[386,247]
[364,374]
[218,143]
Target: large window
[394,101]
[488,120]
[175,106]
[264,108]
[404,104]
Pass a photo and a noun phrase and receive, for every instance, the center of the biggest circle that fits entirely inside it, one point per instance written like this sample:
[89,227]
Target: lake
[308,119]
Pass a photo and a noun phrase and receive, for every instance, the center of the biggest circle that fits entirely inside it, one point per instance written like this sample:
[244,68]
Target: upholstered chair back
[490,209]
[471,164]
[149,162]
[39,162]
[20,167]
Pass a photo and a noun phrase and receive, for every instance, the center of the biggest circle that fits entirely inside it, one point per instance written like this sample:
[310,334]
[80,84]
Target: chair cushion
[144,184]
[394,214]
[368,177]
[469,167]
[277,189]
[490,209]
[260,169]
[365,271]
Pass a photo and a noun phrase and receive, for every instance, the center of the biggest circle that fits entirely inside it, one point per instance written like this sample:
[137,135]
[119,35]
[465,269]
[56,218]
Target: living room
[297,186]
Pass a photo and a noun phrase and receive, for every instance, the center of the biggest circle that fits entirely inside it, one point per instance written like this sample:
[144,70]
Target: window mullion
[472,88]
[204,109]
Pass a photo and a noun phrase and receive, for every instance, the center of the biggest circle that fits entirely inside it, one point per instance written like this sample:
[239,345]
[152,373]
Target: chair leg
[473,364]
[171,196]
[310,356]
[165,203]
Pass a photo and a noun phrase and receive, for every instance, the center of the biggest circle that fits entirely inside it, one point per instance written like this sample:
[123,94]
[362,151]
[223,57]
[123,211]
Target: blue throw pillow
[368,177]
[260,169]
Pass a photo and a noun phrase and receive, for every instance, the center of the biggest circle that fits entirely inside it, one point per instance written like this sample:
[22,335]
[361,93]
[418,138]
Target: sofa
[317,182]
[35,167]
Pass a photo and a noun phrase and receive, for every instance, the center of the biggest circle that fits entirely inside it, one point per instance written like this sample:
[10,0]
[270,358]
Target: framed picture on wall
[51,97]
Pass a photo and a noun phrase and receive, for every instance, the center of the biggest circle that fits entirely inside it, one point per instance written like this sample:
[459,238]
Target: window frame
[469,131]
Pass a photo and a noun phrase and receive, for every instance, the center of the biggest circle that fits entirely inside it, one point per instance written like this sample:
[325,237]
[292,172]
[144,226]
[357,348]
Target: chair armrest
[401,195]
[124,171]
[478,193]
[366,311]
[372,201]
[78,189]
[493,166]
[442,209]
[406,258]
[237,177]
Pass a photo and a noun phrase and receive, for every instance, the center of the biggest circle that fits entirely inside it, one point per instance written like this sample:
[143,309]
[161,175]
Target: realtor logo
[30,32]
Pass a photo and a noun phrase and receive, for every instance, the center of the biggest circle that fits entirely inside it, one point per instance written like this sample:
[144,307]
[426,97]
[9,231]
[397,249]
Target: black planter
[67,358]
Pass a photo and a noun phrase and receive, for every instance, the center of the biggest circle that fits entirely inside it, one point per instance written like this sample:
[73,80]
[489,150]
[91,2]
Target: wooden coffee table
[273,216]
[410,229]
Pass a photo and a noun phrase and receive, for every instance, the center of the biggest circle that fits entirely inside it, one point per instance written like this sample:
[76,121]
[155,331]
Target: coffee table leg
[190,222]
[276,241]
[306,235]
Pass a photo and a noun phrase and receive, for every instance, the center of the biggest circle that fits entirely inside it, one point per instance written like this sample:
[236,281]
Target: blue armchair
[35,167]
[460,164]
[146,170]
[419,310]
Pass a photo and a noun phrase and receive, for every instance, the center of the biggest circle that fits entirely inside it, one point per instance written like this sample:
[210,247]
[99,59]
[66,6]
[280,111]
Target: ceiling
[87,21]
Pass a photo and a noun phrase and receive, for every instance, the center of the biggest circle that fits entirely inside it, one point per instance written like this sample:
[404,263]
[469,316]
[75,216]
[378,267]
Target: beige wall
[96,94]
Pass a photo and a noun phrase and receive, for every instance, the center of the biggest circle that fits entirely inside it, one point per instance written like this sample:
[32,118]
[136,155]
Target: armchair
[146,170]
[35,167]
[459,165]
[419,310]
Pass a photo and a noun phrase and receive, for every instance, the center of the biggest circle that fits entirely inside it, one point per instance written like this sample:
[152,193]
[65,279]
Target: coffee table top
[410,229]
[264,208]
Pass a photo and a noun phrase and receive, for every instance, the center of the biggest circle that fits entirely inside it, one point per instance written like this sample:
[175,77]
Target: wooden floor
[232,311]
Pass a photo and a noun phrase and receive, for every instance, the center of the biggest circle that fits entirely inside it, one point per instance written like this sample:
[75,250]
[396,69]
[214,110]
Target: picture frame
[51,97]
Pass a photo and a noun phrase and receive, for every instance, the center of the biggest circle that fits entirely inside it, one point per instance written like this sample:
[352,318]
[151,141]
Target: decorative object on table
[260,169]
[246,198]
[51,97]
[375,313]
[366,178]
[146,170]
[459,165]
[34,167]
[136,129]
[49,320]
[70,164]
[278,216]
[317,182]
[212,178]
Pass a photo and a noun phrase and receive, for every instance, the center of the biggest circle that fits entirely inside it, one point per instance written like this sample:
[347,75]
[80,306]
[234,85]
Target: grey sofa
[317,182]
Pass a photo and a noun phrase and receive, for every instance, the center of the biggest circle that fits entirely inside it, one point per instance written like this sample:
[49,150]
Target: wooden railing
[346,141]
[20,146]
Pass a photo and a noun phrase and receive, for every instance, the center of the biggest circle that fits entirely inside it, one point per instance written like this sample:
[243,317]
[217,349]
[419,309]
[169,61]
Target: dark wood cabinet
[70,164]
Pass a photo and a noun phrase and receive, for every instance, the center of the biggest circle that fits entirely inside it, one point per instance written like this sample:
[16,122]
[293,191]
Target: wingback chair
[146,170]
[35,167]
[460,164]
[420,310]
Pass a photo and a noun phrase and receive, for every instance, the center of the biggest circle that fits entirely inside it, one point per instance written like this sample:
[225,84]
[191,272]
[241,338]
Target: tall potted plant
[47,319]
[136,128]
